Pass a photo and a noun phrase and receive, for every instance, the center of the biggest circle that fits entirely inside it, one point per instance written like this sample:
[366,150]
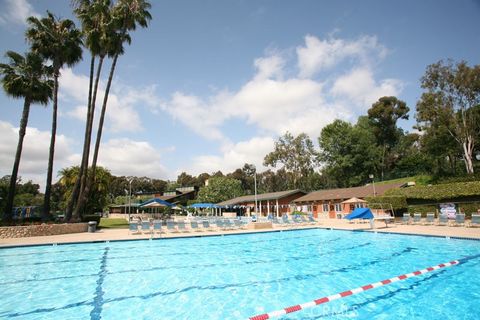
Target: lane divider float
[347,293]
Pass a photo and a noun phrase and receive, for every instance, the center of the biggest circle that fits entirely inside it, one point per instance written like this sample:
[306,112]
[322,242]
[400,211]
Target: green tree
[28,78]
[58,41]
[95,17]
[384,115]
[100,196]
[296,155]
[186,180]
[220,189]
[451,92]
[349,153]
[126,16]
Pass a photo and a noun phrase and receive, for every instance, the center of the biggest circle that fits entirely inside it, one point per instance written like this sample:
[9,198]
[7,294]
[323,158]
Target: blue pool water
[235,277]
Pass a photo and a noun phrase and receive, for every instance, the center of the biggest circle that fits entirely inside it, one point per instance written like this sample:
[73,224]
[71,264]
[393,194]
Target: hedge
[439,192]
[397,202]
[91,217]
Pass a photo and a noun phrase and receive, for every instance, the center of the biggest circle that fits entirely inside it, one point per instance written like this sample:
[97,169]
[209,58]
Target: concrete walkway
[124,234]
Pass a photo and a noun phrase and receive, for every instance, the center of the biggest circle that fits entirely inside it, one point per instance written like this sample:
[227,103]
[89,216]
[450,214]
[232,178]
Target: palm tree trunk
[86,148]
[91,178]
[76,188]
[48,187]
[7,215]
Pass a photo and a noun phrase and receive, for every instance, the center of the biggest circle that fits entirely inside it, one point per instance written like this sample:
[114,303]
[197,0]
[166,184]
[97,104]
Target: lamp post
[371,176]
[129,197]
[255,182]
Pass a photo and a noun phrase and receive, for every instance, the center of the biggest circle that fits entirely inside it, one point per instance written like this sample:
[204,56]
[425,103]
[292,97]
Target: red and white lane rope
[347,293]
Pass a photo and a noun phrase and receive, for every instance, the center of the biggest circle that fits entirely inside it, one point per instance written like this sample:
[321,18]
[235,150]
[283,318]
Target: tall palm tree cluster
[34,77]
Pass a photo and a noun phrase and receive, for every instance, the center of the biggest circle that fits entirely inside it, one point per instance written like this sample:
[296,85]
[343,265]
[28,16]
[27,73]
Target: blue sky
[211,85]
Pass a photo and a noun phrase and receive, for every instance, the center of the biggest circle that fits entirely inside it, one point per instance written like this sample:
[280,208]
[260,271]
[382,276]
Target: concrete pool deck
[124,234]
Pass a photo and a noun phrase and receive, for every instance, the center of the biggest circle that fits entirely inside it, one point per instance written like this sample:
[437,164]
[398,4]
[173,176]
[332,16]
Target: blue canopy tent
[360,213]
[155,202]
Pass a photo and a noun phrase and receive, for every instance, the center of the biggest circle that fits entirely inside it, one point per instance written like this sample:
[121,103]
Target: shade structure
[354,200]
[204,205]
[360,213]
[155,202]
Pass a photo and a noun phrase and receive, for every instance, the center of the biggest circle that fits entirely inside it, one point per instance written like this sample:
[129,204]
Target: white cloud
[272,103]
[128,157]
[251,151]
[34,160]
[121,115]
[360,87]
[16,12]
[318,55]
[120,156]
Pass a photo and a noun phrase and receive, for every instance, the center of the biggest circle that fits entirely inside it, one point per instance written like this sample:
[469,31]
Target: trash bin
[92,226]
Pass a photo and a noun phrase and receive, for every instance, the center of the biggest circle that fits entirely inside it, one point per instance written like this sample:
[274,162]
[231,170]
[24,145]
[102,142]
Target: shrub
[439,192]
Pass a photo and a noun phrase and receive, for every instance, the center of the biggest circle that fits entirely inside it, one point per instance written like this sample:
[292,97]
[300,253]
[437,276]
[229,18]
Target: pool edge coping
[8,246]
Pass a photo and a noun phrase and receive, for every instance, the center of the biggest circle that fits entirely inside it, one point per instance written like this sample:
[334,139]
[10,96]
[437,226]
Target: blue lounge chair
[430,219]
[417,218]
[194,226]
[171,226]
[459,219]
[239,224]
[146,227]
[207,226]
[406,218]
[133,227]
[312,219]
[157,226]
[181,227]
[475,222]
[442,220]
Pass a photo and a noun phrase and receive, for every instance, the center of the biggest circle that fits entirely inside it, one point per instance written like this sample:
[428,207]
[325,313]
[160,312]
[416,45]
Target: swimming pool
[238,276]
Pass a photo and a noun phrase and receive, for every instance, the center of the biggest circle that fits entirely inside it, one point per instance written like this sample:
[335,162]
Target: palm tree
[126,15]
[28,78]
[95,18]
[58,41]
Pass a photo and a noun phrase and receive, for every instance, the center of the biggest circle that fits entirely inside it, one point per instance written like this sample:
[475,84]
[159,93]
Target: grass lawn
[113,223]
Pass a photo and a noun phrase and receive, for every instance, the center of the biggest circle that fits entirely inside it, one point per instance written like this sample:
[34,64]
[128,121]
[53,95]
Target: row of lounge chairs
[297,220]
[158,227]
[441,220]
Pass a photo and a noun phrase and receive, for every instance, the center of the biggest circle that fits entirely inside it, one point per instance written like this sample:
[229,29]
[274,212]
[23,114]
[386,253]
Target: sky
[211,85]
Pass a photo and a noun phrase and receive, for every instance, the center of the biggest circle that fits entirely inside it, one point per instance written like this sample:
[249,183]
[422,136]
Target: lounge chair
[475,222]
[133,227]
[286,221]
[171,226]
[239,224]
[442,220]
[406,218]
[229,225]
[194,226]
[206,225]
[181,227]
[311,219]
[417,218]
[157,226]
[459,219]
[146,227]
[430,219]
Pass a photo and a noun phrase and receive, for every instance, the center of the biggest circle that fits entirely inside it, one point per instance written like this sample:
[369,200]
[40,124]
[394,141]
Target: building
[335,203]
[274,203]
[179,196]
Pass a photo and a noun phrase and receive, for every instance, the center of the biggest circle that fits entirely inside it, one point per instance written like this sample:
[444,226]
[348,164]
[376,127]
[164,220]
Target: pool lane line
[96,313]
[347,293]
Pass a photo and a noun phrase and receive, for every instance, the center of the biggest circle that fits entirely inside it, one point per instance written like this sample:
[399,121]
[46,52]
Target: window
[338,207]
[325,207]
